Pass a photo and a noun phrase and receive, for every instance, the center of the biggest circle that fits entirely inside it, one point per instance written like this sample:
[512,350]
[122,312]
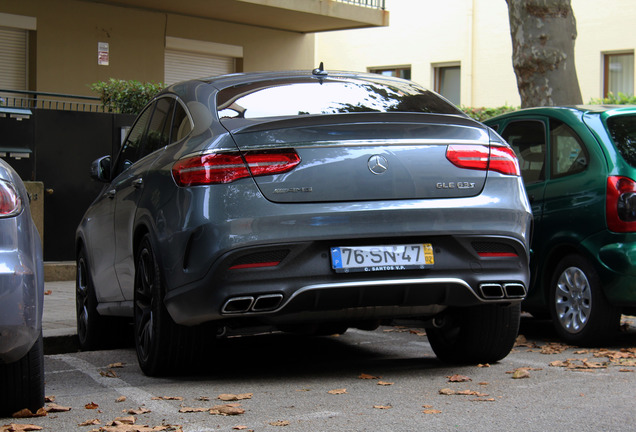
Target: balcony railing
[25,99]
[376,4]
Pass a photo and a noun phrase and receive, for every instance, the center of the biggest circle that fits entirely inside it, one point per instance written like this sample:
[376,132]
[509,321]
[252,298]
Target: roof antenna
[320,70]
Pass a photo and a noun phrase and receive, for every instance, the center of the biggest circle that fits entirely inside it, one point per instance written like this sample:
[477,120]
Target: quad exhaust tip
[495,291]
[263,303]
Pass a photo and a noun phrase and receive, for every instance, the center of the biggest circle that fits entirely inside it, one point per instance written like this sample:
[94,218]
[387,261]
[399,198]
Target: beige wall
[68,32]
[476,34]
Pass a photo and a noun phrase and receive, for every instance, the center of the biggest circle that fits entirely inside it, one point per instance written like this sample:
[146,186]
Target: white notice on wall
[102,53]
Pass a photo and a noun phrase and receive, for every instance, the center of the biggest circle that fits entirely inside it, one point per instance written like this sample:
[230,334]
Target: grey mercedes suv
[308,202]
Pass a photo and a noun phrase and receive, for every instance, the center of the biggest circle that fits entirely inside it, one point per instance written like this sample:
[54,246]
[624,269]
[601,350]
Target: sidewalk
[58,319]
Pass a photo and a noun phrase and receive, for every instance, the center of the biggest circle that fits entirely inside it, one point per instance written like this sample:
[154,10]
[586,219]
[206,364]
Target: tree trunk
[543,34]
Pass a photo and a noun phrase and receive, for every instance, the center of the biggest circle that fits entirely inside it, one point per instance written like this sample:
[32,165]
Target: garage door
[184,65]
[13,63]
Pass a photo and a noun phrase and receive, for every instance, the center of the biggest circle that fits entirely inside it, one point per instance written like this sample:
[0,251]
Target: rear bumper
[303,286]
[618,275]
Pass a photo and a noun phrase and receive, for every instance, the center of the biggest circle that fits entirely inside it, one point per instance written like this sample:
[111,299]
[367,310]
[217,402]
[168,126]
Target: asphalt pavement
[58,319]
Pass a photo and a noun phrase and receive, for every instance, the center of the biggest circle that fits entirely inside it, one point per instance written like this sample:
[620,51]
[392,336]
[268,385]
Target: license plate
[346,259]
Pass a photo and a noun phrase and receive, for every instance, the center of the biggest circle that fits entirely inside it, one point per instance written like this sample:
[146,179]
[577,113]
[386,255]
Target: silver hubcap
[573,299]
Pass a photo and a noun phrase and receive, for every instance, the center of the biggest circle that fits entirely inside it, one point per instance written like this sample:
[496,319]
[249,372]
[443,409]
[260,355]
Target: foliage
[483,114]
[611,99]
[126,97]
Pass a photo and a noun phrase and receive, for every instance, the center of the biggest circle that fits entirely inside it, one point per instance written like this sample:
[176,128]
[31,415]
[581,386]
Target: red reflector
[219,168]
[255,265]
[478,157]
[497,254]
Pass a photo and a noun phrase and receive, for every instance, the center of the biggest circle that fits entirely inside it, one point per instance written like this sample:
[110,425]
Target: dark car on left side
[21,299]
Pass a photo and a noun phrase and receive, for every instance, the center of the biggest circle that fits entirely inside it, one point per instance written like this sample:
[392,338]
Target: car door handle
[137,183]
[111,193]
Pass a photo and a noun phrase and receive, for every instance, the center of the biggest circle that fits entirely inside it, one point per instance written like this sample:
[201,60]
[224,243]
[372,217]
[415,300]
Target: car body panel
[21,277]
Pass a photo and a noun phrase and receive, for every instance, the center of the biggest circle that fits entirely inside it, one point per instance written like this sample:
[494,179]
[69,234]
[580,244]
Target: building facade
[63,46]
[463,49]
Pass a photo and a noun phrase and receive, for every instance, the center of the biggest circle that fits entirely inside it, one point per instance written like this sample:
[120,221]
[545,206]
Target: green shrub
[483,114]
[126,97]
[611,99]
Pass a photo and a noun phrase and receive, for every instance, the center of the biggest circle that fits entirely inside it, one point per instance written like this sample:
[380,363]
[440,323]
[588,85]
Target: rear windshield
[623,131]
[327,96]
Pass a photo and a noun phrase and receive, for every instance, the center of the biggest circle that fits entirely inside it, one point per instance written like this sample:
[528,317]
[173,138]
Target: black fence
[56,147]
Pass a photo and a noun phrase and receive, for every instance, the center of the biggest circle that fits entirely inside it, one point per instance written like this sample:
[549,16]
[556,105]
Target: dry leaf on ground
[227,397]
[385,407]
[91,405]
[368,377]
[280,423]
[91,422]
[431,411]
[227,410]
[458,378]
[53,407]
[13,427]
[385,383]
[337,391]
[27,413]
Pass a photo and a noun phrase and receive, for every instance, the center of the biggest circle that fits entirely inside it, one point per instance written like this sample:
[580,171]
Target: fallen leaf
[385,383]
[626,370]
[48,399]
[13,427]
[27,413]
[418,332]
[179,398]
[48,292]
[116,365]
[193,410]
[128,420]
[484,383]
[109,374]
[280,423]
[447,392]
[53,407]
[431,411]
[382,406]
[121,399]
[227,410]
[91,422]
[91,405]
[368,377]
[520,373]
[485,365]
[458,378]
[234,397]
[138,411]
[337,391]
[239,427]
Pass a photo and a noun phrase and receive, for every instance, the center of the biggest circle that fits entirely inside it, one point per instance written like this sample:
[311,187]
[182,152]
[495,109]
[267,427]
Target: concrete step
[59,271]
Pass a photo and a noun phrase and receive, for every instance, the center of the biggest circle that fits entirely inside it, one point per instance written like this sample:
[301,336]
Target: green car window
[623,132]
[568,154]
[527,138]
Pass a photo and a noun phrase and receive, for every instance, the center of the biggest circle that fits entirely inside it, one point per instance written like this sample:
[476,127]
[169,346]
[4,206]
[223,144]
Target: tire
[163,347]
[580,312]
[91,326]
[481,334]
[22,382]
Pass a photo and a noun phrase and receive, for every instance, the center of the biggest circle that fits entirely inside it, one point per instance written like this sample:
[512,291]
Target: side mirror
[100,169]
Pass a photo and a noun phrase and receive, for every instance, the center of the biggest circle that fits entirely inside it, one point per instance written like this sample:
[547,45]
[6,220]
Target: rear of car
[21,299]
[579,170]
[314,202]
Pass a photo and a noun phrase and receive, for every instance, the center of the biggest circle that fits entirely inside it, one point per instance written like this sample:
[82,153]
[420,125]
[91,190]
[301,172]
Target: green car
[579,169]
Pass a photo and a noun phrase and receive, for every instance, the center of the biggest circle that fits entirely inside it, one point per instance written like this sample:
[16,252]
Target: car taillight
[621,204]
[227,167]
[494,158]
[10,202]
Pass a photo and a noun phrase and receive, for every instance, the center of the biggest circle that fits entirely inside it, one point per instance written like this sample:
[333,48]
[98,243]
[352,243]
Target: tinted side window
[568,155]
[181,126]
[159,128]
[623,131]
[132,148]
[527,138]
